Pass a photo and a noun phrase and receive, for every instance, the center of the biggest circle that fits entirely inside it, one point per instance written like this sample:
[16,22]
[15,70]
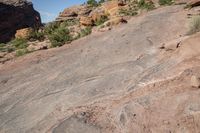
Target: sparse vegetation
[37,35]
[21,52]
[130,12]
[57,33]
[70,22]
[101,20]
[165,2]
[145,5]
[195,25]
[19,43]
[92,3]
[50,28]
[101,1]
[59,36]
[86,31]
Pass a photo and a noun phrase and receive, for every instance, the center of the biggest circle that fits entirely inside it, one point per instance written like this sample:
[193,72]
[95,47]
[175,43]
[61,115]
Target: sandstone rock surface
[112,82]
[23,33]
[195,81]
[74,12]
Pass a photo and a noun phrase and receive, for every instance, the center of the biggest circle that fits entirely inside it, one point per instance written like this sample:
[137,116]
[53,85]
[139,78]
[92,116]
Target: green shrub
[101,1]
[36,35]
[57,33]
[165,2]
[195,25]
[59,37]
[3,47]
[101,20]
[19,43]
[86,31]
[51,27]
[144,5]
[69,23]
[92,3]
[130,12]
[21,52]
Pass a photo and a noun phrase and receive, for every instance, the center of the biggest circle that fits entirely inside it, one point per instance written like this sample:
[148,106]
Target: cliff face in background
[16,14]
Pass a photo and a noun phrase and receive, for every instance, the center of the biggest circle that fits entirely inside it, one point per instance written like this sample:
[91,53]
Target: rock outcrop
[194,3]
[74,12]
[16,14]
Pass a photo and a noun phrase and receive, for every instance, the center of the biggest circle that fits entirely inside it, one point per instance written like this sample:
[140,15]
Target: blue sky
[49,9]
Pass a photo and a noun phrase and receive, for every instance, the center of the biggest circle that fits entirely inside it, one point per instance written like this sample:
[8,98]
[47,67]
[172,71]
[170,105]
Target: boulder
[86,21]
[16,14]
[2,54]
[195,81]
[34,46]
[74,12]
[97,13]
[174,44]
[113,7]
[115,21]
[193,3]
[23,33]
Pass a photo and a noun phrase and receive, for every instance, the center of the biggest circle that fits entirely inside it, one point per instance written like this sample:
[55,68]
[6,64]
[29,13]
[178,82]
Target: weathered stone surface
[195,81]
[74,12]
[34,46]
[113,82]
[16,14]
[97,13]
[194,3]
[23,33]
[112,7]
[115,21]
[86,21]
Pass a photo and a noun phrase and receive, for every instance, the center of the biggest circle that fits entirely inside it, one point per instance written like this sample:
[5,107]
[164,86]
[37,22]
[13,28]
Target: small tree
[101,1]
[92,2]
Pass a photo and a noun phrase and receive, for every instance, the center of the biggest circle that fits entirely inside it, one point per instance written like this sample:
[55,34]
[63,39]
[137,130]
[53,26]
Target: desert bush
[145,5]
[37,35]
[6,48]
[21,52]
[57,33]
[101,20]
[51,27]
[128,12]
[92,3]
[3,47]
[101,1]
[2,44]
[195,25]
[18,43]
[59,36]
[86,31]
[69,23]
[165,2]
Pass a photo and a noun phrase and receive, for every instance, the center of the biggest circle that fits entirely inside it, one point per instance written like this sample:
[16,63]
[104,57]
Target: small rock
[2,54]
[23,33]
[195,81]
[38,46]
[115,21]
[166,122]
[86,21]
[104,29]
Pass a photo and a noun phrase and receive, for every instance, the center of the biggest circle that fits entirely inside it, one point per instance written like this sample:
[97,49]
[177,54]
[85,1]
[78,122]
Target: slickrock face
[119,81]
[16,14]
